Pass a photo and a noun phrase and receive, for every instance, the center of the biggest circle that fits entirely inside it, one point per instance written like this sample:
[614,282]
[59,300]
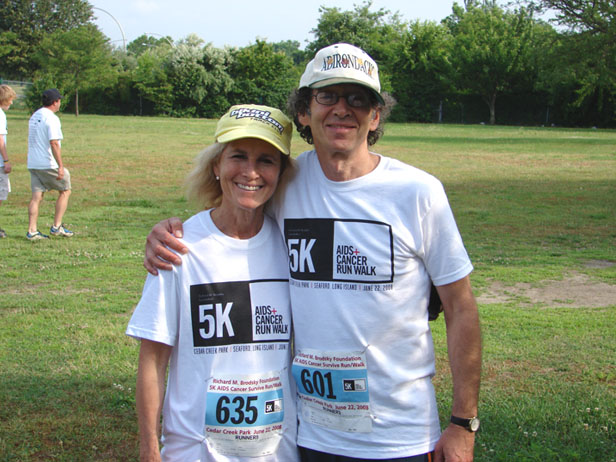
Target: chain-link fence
[20,88]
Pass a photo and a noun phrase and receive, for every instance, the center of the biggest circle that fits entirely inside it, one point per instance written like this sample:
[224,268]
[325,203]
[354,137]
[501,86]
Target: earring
[217,178]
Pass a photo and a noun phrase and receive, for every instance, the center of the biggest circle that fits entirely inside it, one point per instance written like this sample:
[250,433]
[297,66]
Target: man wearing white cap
[366,234]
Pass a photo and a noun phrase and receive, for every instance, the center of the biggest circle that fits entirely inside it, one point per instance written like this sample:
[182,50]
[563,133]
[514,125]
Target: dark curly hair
[299,103]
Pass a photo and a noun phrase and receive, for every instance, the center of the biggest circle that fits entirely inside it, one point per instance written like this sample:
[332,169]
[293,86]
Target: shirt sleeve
[54,129]
[445,257]
[156,316]
[3,124]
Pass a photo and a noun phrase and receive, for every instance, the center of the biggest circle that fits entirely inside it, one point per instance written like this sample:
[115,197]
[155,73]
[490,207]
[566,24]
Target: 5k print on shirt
[357,251]
[244,312]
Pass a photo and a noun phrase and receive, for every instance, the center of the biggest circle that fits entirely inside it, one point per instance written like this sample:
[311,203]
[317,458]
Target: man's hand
[149,453]
[7,167]
[455,445]
[163,235]
[60,173]
[464,349]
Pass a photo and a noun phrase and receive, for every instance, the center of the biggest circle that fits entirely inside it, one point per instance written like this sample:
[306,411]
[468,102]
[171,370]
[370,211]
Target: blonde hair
[6,94]
[203,189]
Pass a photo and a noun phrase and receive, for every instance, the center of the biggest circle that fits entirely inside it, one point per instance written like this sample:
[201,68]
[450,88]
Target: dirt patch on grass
[574,290]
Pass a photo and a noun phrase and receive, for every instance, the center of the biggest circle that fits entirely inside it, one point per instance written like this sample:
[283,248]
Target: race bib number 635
[244,414]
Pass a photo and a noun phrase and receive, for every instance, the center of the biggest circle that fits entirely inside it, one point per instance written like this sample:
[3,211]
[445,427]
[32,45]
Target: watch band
[472,424]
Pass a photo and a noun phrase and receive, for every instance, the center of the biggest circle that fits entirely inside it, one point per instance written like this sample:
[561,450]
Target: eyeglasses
[329,98]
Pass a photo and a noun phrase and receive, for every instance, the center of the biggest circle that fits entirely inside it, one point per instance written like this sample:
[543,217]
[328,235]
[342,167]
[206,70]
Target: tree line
[485,62]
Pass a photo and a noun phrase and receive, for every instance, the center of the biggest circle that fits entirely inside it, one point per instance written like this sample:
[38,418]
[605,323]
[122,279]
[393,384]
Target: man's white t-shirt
[361,256]
[226,313]
[43,127]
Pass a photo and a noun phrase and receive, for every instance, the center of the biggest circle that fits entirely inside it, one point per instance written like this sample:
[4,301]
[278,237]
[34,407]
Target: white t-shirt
[43,127]
[361,256]
[3,132]
[230,395]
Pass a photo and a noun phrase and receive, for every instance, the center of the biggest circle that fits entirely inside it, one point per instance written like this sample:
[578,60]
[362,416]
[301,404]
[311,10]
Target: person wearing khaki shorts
[46,167]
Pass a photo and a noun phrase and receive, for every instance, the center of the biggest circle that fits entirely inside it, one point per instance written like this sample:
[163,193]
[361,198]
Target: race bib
[333,389]
[244,414]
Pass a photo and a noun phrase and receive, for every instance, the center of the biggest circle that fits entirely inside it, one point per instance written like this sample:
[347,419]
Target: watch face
[473,424]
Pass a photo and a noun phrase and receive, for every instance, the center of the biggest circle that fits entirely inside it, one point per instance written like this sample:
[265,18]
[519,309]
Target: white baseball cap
[342,63]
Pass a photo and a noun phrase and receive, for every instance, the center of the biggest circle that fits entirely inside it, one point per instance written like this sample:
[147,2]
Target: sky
[238,22]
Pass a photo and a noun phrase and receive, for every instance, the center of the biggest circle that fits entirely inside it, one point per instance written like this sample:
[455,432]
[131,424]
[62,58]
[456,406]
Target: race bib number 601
[333,389]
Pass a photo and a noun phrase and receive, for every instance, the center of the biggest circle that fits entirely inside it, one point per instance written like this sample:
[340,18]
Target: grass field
[533,204]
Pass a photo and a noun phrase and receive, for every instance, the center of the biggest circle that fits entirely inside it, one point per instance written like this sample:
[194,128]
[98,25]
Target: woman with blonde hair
[221,321]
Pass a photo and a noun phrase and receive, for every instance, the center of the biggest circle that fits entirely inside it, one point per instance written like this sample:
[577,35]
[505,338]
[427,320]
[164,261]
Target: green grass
[531,203]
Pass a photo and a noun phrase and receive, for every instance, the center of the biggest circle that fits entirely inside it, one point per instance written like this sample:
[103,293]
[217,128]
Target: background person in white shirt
[47,171]
[7,95]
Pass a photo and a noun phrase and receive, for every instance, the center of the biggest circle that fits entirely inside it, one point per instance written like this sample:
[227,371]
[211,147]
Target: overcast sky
[238,22]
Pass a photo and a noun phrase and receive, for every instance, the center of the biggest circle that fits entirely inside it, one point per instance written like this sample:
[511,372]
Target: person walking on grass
[7,95]
[47,171]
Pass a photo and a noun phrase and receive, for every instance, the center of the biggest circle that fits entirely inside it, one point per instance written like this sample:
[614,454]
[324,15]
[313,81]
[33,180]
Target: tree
[35,91]
[77,58]
[151,80]
[422,77]
[490,50]
[551,84]
[262,76]
[589,52]
[10,53]
[355,27]
[595,16]
[199,79]
[375,32]
[146,42]
[24,24]
[291,49]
